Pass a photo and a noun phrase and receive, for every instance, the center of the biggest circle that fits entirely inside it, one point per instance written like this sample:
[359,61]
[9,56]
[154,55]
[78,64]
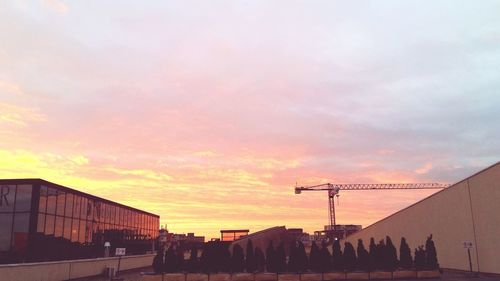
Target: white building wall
[467,211]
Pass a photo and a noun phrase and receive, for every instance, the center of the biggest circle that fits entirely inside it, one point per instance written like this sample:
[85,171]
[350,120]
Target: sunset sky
[208,112]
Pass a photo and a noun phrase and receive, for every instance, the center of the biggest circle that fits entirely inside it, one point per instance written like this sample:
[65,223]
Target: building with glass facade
[40,221]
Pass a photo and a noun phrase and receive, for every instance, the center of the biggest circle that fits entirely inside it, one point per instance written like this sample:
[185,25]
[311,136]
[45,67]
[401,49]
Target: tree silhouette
[179,258]
[373,255]
[325,258]
[238,259]
[293,256]
[406,261]
[381,255]
[302,262]
[349,257]
[363,257]
[431,254]
[280,258]
[270,258]
[208,258]
[260,260]
[337,263]
[224,257]
[250,263]
[314,261]
[171,260]
[420,258]
[158,262]
[390,255]
[192,263]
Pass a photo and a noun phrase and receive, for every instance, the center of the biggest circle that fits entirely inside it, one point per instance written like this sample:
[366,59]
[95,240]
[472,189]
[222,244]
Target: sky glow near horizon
[208,112]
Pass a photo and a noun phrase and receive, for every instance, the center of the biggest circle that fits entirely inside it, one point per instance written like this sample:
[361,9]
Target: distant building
[196,239]
[298,234]
[43,221]
[189,238]
[231,235]
[341,231]
[187,241]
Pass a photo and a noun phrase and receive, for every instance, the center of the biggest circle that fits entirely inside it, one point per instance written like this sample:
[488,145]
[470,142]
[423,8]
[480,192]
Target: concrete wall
[467,211]
[64,270]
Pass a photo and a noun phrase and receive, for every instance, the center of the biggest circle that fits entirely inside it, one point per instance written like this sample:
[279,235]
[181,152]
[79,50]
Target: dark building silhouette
[41,221]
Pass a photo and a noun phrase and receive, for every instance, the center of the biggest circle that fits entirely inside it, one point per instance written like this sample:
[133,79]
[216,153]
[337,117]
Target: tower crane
[334,188]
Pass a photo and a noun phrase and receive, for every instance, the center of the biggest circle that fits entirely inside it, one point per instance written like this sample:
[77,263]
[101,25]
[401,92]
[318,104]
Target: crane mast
[333,190]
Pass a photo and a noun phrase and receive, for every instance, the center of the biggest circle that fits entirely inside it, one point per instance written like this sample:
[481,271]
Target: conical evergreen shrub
[293,256]
[420,262]
[337,263]
[373,255]
[390,255]
[406,261]
[270,258]
[280,258]
[193,263]
[325,258]
[302,262]
[314,262]
[251,265]
[349,257]
[158,262]
[170,260]
[363,257]
[237,259]
[260,260]
[431,254]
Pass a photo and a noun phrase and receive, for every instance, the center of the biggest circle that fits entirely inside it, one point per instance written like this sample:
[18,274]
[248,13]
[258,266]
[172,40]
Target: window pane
[83,208]
[117,216]
[49,224]
[7,195]
[113,215]
[58,230]
[76,206]
[5,231]
[74,230]
[106,212]
[51,201]
[88,232]
[42,204]
[120,216]
[23,198]
[81,236]
[90,209]
[61,198]
[100,211]
[69,205]
[67,228]
[41,223]
[20,233]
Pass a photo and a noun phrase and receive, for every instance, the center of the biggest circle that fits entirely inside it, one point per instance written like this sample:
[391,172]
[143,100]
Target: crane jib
[334,188]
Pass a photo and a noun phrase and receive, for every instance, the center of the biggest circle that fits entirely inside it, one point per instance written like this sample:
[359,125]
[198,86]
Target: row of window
[55,202]
[83,231]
